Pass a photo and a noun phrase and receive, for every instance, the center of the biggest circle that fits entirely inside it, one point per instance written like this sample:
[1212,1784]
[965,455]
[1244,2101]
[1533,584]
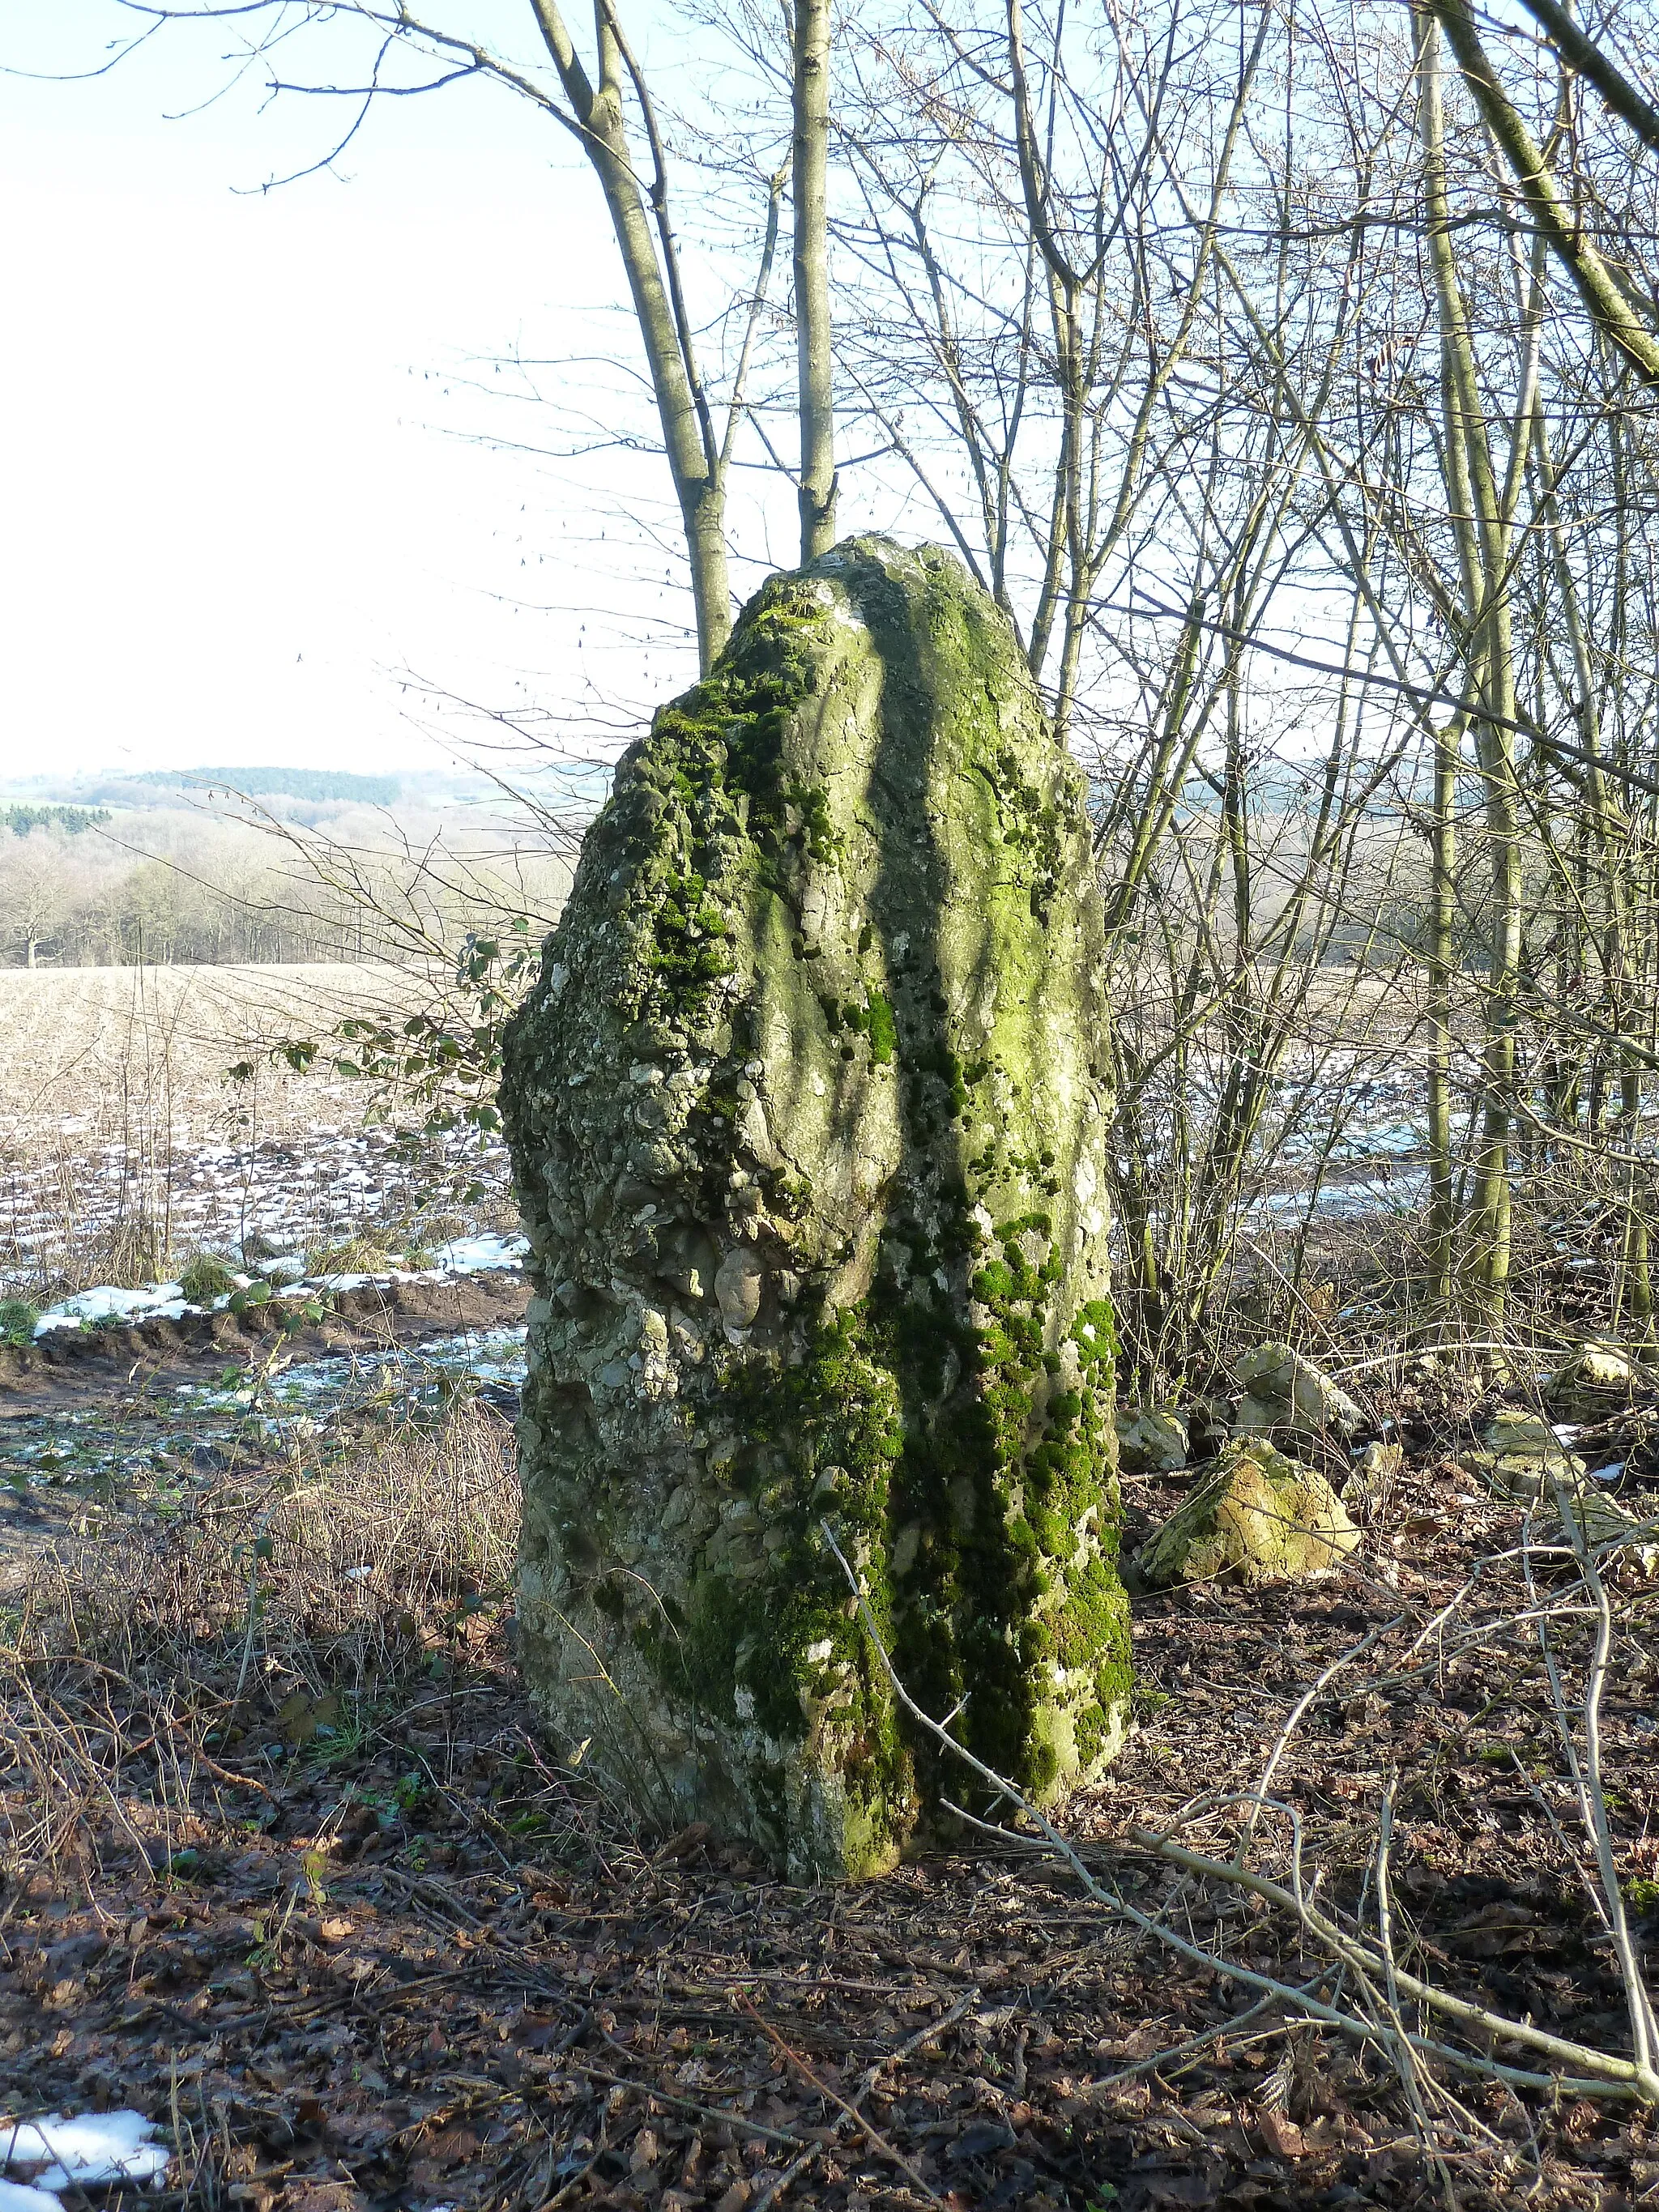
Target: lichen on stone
[1151,1440]
[1597,1380]
[1521,1456]
[1255,1517]
[808,1121]
[1285,1393]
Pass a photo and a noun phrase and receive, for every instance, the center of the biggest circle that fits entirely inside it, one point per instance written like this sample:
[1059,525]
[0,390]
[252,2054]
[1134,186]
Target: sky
[247,484]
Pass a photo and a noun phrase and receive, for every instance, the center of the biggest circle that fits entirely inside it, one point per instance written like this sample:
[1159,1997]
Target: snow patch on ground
[1401,1192]
[90,2151]
[18,2196]
[478,1255]
[464,1255]
[109,1302]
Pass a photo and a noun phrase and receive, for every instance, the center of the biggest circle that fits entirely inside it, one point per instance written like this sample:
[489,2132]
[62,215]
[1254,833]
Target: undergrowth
[148,1665]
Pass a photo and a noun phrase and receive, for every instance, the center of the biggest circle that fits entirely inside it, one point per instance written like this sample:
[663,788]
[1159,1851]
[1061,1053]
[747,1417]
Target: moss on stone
[809,1128]
[1256,1517]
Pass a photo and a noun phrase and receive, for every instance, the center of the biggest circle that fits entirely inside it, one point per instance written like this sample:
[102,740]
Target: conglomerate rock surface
[809,1125]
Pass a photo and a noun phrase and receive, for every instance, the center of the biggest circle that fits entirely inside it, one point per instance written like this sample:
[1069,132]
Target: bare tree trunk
[814,362]
[1625,323]
[1609,834]
[1481,529]
[1442,963]
[688,440]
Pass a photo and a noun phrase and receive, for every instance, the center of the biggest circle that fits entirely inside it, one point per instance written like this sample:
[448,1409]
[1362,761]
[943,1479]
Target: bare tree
[1291,390]
[812,327]
[605,104]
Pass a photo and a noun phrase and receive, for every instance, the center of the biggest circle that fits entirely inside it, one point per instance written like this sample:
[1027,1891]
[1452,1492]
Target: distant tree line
[72,820]
[315,784]
[213,892]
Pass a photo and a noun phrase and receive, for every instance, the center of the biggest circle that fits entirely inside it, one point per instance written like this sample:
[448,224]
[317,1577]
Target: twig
[918,2041]
[1618,2075]
[690,2104]
[834,2097]
[797,2166]
[1604,2075]
[1645,2030]
[1301,1706]
[1218,2029]
[1404,2058]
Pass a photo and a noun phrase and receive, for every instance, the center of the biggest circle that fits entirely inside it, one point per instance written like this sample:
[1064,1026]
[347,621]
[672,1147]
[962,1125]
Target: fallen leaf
[689,1841]
[1283,2136]
[644,2152]
[300,1715]
[1179,2188]
[978,2140]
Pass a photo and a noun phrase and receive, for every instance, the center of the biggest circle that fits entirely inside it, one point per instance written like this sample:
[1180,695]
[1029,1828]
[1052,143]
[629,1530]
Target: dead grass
[286,1609]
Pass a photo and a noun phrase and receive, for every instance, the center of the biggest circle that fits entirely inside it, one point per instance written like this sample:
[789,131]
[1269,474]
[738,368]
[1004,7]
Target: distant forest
[174,884]
[315,784]
[71,820]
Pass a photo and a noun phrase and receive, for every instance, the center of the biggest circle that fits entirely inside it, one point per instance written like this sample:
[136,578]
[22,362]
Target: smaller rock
[1209,1425]
[1524,1459]
[1521,1456]
[1259,1517]
[1603,1523]
[1150,1441]
[1377,1467]
[1597,1379]
[1283,1391]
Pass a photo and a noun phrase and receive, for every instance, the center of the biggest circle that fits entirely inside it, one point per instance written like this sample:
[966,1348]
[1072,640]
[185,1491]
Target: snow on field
[476,1255]
[326,1187]
[323,1387]
[123,1126]
[189,1435]
[107,1303]
[1400,1191]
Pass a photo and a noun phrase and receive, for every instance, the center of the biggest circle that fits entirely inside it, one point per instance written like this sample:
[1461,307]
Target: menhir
[808,1116]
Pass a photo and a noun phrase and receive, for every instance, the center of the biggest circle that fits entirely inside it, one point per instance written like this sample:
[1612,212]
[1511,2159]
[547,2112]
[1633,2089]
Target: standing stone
[809,1122]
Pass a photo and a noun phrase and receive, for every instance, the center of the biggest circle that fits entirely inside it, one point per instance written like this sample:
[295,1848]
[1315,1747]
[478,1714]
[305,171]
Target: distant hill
[317,784]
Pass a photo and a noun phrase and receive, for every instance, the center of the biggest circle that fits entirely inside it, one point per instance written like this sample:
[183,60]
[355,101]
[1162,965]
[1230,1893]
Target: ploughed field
[149,1131]
[127,1140]
[124,1133]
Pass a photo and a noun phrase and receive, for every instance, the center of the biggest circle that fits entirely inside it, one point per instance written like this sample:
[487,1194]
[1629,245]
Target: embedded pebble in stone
[738,1282]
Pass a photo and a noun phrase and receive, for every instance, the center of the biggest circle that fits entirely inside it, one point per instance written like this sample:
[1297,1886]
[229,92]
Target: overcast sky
[239,493]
